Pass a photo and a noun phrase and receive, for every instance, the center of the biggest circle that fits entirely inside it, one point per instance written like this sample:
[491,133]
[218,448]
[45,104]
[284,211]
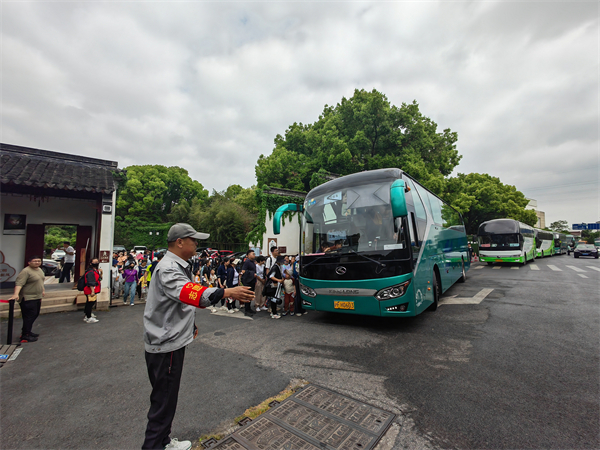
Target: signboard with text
[586,226]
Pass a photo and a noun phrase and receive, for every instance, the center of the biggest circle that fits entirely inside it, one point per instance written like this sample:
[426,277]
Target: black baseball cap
[184,230]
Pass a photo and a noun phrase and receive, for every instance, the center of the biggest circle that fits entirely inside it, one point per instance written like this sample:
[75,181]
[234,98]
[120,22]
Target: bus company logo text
[344,291]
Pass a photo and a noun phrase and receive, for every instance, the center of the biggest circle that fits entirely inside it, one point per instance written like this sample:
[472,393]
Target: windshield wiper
[316,259]
[366,257]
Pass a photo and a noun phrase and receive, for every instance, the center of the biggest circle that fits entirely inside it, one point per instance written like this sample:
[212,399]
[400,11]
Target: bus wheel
[490,263]
[463,275]
[436,293]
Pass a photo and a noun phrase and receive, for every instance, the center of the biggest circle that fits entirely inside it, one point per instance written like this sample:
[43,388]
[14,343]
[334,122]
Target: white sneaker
[264,308]
[230,311]
[275,316]
[224,308]
[85,317]
[213,310]
[178,445]
[91,320]
[235,309]
[131,304]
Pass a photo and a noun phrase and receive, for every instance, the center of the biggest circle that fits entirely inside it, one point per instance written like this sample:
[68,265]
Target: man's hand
[241,293]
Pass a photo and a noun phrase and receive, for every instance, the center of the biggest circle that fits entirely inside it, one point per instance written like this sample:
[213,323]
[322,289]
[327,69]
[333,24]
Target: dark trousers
[30,310]
[66,273]
[273,306]
[298,309]
[88,306]
[164,371]
[247,306]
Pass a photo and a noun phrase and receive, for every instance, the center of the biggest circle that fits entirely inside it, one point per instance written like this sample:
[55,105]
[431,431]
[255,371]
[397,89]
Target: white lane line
[594,268]
[478,267]
[497,267]
[556,269]
[236,315]
[534,267]
[475,300]
[576,269]
[581,275]
[515,268]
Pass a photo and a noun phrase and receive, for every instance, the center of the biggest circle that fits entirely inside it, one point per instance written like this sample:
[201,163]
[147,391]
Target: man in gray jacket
[169,327]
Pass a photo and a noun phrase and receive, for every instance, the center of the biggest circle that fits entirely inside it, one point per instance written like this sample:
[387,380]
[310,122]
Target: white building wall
[107,236]
[289,236]
[53,210]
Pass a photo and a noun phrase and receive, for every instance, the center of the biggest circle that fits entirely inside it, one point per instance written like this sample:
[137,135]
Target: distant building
[541,215]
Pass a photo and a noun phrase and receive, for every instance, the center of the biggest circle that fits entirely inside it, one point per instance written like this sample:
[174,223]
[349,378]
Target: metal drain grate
[314,418]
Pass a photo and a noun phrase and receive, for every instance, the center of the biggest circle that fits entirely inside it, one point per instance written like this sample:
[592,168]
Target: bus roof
[502,226]
[368,176]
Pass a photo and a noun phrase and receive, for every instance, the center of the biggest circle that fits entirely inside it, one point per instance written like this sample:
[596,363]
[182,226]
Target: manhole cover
[314,418]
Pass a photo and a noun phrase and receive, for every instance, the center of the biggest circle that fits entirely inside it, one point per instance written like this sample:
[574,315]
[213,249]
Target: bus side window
[414,238]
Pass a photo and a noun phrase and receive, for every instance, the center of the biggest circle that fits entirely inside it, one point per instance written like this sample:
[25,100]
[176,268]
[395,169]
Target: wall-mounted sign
[15,223]
[104,256]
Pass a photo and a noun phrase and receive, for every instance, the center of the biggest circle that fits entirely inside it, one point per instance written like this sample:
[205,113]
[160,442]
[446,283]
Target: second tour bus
[506,240]
[560,244]
[544,243]
[377,243]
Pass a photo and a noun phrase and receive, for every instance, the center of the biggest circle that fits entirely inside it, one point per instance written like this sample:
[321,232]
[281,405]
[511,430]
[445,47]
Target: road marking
[582,276]
[15,354]
[592,267]
[475,300]
[497,267]
[515,267]
[478,267]
[236,315]
[534,267]
[556,269]
[576,269]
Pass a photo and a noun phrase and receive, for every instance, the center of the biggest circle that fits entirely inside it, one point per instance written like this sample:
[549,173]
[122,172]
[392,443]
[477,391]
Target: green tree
[224,219]
[363,132]
[481,197]
[149,194]
[590,236]
[560,226]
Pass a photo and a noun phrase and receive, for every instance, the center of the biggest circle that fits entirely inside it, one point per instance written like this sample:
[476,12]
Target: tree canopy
[149,193]
[480,197]
[363,132]
[560,226]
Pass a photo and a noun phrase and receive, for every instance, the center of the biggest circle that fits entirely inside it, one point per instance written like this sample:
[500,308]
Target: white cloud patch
[208,86]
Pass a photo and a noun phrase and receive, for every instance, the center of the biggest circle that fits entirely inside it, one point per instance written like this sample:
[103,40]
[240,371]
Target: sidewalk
[85,385]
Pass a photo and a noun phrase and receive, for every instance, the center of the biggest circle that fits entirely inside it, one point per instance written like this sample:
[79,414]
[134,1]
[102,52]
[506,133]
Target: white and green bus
[377,243]
[506,240]
[544,243]
[560,243]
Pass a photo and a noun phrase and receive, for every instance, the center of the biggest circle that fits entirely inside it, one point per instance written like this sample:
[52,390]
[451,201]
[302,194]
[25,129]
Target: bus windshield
[356,219]
[500,241]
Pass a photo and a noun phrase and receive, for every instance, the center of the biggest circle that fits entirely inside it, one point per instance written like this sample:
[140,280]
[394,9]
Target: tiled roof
[44,169]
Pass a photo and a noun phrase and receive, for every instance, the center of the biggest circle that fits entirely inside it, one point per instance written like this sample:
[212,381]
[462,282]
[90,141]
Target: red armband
[191,294]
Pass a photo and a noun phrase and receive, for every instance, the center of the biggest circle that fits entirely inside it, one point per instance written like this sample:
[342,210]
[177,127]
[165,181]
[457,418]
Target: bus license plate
[343,305]
[499,260]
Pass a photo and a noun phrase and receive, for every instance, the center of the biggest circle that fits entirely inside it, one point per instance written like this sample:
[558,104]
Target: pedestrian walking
[259,297]
[275,279]
[222,278]
[69,262]
[93,278]
[130,277]
[249,277]
[29,290]
[233,277]
[169,327]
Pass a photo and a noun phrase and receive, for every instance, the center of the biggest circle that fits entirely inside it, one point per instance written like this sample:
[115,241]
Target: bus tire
[436,293]
[490,263]
[463,275]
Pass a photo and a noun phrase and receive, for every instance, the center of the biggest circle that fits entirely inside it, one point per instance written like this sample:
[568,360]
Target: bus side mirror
[284,208]
[398,199]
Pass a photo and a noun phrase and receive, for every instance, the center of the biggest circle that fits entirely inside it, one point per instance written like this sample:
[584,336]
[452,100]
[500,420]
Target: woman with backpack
[93,278]
[275,279]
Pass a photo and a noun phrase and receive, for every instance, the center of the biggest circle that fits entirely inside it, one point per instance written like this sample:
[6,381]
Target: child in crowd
[197,279]
[289,289]
[212,282]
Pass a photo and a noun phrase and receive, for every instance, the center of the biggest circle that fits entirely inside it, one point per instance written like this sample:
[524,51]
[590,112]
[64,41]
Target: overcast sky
[208,86]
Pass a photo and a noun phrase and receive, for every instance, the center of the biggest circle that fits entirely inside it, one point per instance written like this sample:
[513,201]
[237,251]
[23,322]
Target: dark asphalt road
[519,370]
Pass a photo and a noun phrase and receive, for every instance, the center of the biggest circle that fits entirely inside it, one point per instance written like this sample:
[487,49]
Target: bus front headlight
[308,291]
[392,292]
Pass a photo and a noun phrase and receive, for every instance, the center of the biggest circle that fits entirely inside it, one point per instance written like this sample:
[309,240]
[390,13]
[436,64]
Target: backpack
[82,282]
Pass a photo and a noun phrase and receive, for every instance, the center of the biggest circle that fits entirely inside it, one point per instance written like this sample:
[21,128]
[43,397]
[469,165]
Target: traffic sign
[586,226]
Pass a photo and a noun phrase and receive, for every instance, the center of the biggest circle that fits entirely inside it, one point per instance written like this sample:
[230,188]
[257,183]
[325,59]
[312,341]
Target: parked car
[585,250]
[139,249]
[225,253]
[49,266]
[58,254]
[119,248]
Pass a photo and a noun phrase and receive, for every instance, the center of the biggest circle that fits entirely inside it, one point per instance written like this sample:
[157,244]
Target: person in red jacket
[93,278]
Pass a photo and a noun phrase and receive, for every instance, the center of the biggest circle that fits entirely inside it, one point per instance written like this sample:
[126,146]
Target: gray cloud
[207,86]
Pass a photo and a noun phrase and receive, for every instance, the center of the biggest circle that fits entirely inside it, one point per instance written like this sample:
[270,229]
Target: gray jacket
[168,322]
